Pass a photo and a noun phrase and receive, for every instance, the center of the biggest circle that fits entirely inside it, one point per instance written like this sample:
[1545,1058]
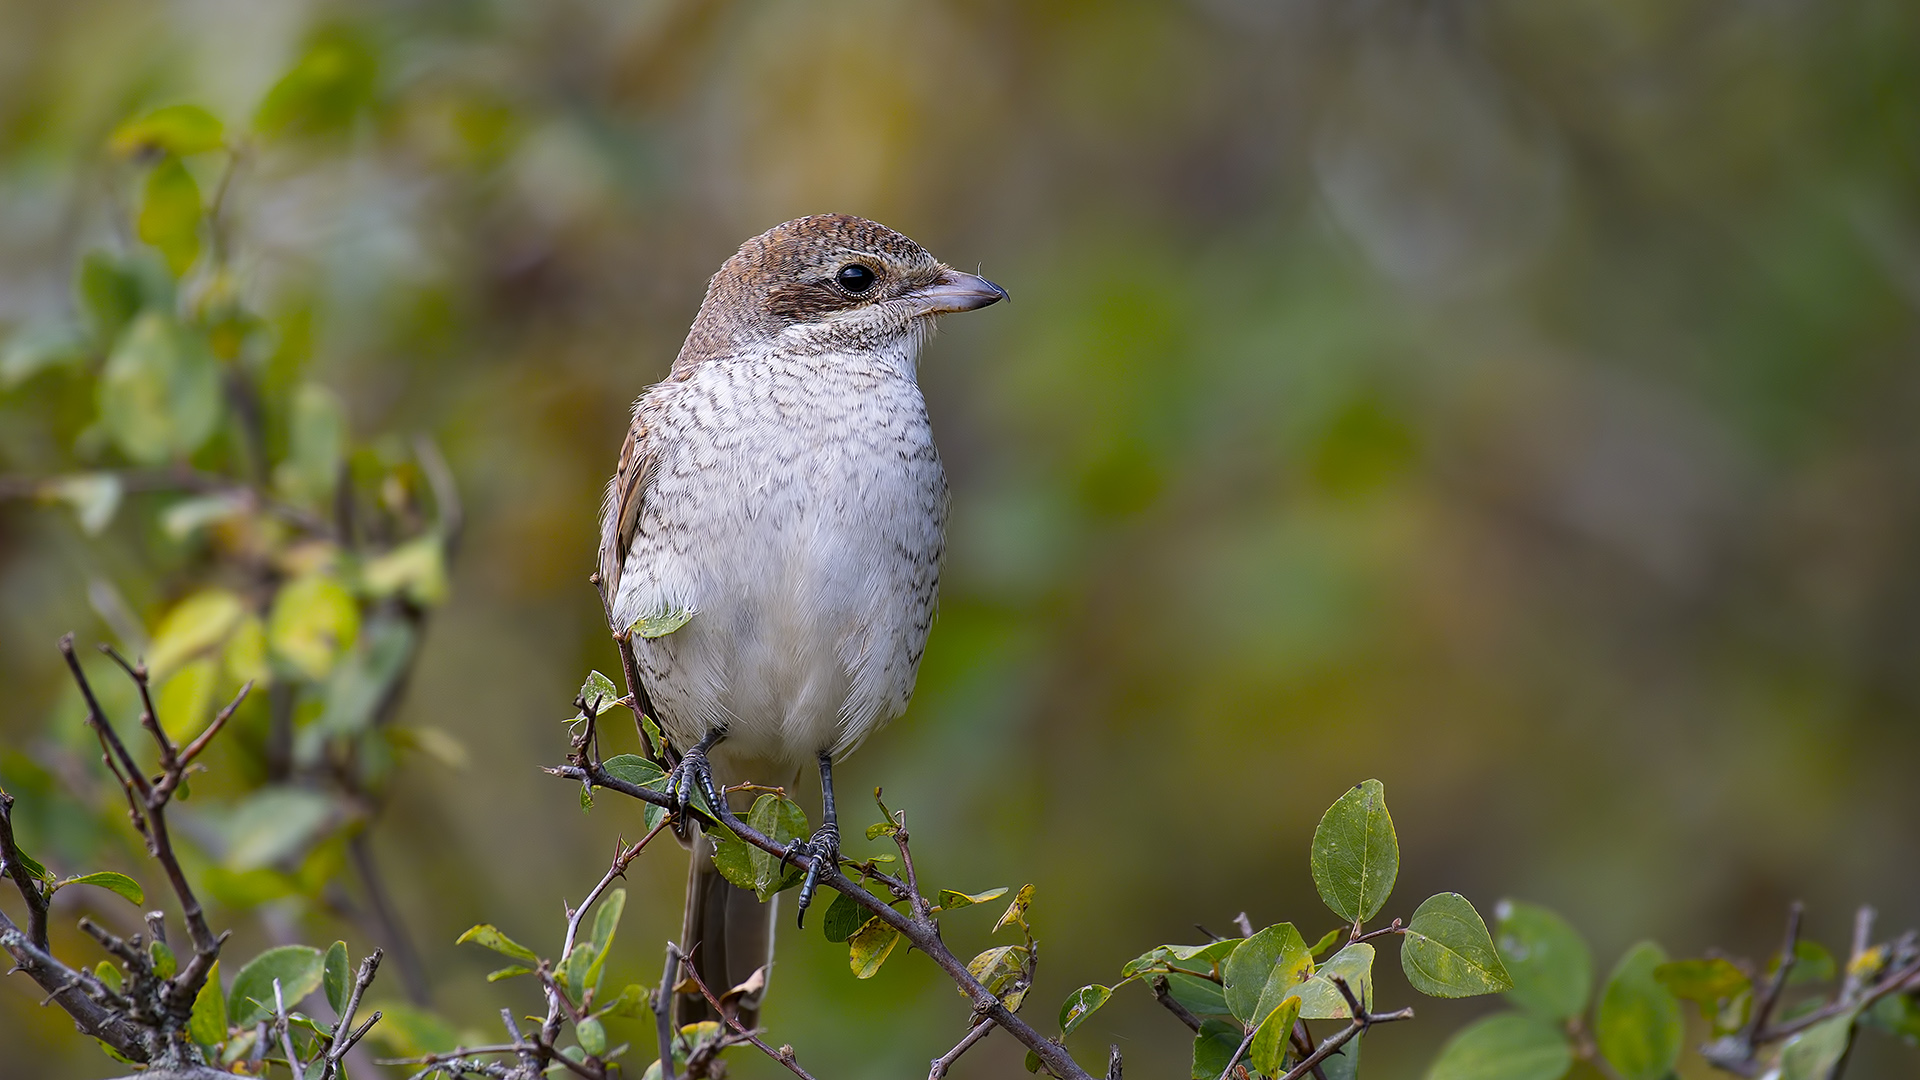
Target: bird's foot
[691,784]
[823,847]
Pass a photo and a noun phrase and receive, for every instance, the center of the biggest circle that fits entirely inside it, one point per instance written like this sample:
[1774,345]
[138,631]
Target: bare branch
[945,1061]
[784,1055]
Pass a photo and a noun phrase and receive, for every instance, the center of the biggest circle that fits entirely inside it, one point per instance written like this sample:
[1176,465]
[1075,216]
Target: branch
[784,1055]
[945,1061]
[1763,1010]
[344,1034]
[1362,1020]
[623,856]
[13,864]
[1179,1011]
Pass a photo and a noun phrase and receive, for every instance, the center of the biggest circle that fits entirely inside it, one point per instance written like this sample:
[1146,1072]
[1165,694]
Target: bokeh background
[1512,401]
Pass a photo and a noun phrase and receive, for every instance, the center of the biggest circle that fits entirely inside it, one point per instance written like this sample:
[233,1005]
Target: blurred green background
[1513,401]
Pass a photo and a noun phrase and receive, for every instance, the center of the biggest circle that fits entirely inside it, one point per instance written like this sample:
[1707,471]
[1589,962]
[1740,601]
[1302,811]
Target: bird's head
[830,282]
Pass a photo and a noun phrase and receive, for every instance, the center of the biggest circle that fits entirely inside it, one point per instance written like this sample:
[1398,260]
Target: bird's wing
[620,513]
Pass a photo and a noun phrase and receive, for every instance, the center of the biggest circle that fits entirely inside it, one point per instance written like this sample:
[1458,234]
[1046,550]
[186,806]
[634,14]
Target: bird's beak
[956,291]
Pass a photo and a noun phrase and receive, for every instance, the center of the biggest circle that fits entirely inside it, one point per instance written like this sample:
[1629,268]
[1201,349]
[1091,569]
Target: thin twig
[13,864]
[945,1061]
[1763,1011]
[784,1055]
[663,1011]
[623,857]
[1165,998]
[344,1036]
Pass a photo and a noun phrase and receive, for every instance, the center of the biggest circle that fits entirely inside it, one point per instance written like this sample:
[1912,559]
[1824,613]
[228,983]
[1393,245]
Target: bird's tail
[728,934]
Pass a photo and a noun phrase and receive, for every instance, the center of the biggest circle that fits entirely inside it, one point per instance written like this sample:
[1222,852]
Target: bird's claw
[823,847]
[693,776]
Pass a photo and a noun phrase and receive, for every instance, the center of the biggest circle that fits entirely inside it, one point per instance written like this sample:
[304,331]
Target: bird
[771,539]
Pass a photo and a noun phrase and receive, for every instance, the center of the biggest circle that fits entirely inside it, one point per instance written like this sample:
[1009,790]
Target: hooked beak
[956,291]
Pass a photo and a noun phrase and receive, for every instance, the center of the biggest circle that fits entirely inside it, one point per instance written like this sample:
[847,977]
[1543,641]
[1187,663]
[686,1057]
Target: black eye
[855,278]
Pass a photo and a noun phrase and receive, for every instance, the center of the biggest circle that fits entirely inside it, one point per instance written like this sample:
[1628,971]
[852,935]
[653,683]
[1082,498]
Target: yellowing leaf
[416,569]
[313,621]
[170,214]
[171,129]
[185,700]
[870,946]
[194,625]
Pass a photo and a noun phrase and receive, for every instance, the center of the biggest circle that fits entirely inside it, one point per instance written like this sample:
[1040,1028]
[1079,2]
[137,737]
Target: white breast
[797,509]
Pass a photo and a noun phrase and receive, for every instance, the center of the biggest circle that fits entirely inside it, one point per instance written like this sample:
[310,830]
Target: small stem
[945,1061]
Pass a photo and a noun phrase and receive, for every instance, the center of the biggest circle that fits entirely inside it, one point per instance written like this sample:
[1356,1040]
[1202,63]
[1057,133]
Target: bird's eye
[855,278]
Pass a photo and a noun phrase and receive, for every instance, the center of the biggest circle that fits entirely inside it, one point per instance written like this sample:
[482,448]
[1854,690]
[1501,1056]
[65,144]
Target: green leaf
[1812,963]
[1344,1064]
[1263,970]
[299,969]
[316,447]
[1447,951]
[207,1025]
[592,1035]
[1328,940]
[949,900]
[363,677]
[1509,1046]
[1320,999]
[1032,1062]
[110,975]
[661,623]
[274,824]
[38,347]
[781,820]
[95,497]
[171,129]
[159,393]
[333,976]
[1081,1004]
[333,81]
[1356,855]
[109,292]
[869,947]
[107,879]
[844,918]
[1016,913]
[508,972]
[488,936]
[639,772]
[572,972]
[1167,957]
[1547,959]
[1707,983]
[409,1031]
[881,828]
[1271,1040]
[314,620]
[1813,1053]
[1213,1047]
[605,922]
[162,959]
[734,859]
[1201,997]
[632,1002]
[1638,1025]
[170,214]
[1897,1015]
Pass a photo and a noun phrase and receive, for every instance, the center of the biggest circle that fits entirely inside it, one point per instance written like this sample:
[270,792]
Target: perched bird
[772,537]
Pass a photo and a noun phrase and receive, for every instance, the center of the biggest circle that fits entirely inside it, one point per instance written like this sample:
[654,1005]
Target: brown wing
[620,514]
